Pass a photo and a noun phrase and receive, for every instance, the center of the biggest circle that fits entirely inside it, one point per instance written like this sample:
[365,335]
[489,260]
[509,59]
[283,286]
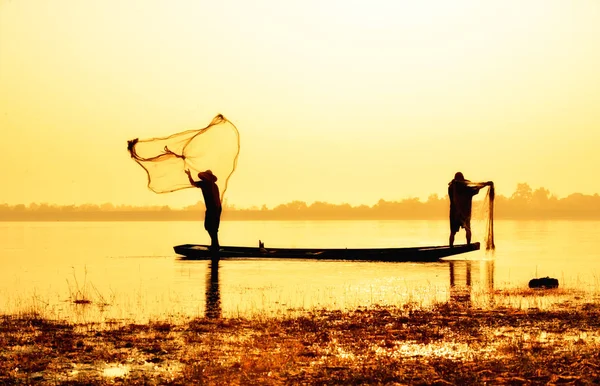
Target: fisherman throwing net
[172,162]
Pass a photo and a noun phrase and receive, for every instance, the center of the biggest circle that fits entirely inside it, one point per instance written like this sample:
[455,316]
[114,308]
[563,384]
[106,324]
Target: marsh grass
[448,343]
[86,293]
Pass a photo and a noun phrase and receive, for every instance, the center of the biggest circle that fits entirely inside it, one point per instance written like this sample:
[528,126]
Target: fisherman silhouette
[212,202]
[461,192]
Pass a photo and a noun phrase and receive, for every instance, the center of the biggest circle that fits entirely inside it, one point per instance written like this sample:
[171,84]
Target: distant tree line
[524,203]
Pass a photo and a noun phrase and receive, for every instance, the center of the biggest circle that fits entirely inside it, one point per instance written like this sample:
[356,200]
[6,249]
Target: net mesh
[486,211]
[215,147]
[489,237]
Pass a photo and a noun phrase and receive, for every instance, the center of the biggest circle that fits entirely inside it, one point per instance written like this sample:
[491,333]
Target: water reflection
[213,295]
[465,275]
[471,283]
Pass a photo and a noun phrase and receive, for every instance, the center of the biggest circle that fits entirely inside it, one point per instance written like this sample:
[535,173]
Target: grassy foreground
[446,344]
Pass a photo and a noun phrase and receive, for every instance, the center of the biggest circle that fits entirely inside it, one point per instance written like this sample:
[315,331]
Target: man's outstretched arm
[187,172]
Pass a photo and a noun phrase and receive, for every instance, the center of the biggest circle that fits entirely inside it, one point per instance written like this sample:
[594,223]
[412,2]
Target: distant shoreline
[233,216]
[524,204]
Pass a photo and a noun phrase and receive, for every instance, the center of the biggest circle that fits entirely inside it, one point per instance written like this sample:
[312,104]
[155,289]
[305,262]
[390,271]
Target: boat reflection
[213,294]
[470,277]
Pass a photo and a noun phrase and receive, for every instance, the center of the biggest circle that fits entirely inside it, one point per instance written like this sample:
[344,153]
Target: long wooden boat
[412,254]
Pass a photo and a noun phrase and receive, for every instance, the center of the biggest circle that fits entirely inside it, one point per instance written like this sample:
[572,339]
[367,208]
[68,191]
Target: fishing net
[215,147]
[487,211]
[489,236]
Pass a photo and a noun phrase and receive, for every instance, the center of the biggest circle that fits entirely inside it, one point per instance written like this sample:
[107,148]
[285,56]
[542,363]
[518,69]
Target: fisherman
[461,192]
[212,202]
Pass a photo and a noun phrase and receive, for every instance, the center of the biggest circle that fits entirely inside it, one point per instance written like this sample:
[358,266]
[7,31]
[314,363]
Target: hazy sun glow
[339,101]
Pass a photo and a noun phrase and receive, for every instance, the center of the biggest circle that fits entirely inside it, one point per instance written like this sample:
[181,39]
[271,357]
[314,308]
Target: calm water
[128,270]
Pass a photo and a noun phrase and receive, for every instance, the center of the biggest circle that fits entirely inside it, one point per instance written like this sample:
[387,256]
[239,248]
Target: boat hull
[412,254]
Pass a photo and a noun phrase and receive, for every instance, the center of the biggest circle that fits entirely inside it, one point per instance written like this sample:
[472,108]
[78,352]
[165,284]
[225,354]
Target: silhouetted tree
[522,194]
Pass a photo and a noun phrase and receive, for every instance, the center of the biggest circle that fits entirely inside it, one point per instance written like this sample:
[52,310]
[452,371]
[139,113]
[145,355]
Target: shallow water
[128,270]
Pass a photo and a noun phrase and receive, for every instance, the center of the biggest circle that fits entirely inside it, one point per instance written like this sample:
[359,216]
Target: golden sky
[338,101]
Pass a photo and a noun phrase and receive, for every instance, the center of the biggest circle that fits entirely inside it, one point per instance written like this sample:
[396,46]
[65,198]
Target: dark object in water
[412,254]
[543,282]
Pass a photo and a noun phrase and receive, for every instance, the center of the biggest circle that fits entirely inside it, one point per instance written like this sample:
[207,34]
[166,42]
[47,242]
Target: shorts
[456,224]
[212,220]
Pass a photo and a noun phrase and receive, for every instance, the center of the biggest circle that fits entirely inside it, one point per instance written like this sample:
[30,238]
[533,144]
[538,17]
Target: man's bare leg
[214,245]
[468,232]
[452,234]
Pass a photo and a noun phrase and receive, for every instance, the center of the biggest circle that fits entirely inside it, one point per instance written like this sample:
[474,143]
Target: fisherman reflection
[465,275]
[460,283]
[213,295]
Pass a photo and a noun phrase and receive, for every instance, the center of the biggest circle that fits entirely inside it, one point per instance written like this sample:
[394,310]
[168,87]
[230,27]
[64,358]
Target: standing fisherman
[461,194]
[212,202]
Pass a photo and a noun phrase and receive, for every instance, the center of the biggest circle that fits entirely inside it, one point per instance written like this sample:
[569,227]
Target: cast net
[215,147]
[489,203]
[487,211]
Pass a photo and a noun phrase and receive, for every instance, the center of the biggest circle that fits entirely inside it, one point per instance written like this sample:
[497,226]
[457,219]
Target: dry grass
[446,344]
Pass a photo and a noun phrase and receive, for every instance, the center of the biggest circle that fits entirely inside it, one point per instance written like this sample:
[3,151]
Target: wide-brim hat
[207,175]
